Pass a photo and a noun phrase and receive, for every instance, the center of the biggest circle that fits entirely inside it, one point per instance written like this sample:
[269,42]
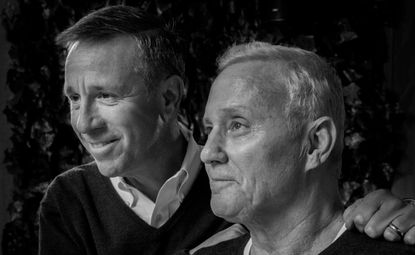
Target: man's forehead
[248,87]
[103,64]
[263,74]
[118,53]
[262,79]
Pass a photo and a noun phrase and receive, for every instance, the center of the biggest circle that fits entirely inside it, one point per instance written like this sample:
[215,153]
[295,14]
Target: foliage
[43,143]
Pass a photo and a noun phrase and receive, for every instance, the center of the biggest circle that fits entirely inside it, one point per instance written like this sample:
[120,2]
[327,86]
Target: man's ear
[321,138]
[171,90]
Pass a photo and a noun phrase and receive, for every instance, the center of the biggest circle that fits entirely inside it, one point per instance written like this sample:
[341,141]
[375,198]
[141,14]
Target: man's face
[251,159]
[111,111]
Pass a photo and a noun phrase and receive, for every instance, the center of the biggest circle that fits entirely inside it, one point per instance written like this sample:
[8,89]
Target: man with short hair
[275,124]
[146,191]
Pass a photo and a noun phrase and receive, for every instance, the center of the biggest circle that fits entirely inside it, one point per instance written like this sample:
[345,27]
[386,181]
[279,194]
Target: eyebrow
[66,90]
[235,109]
[69,89]
[229,110]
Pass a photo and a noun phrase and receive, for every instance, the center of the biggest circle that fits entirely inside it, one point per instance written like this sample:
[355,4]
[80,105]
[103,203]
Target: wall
[5,178]
[400,75]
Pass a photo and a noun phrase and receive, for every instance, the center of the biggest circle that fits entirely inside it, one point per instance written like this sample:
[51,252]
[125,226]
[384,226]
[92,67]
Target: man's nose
[213,152]
[88,118]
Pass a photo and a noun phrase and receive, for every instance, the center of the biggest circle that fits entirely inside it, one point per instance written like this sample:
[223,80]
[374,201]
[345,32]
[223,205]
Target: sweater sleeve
[55,236]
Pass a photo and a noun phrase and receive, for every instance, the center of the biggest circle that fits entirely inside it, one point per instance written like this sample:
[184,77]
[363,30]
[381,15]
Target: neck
[303,229]
[163,164]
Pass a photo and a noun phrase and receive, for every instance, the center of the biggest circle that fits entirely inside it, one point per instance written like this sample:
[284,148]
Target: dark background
[371,43]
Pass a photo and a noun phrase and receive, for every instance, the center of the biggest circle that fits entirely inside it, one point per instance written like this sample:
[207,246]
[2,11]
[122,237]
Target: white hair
[313,86]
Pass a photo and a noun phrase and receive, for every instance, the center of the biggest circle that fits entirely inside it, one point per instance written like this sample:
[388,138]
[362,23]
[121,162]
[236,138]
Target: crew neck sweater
[81,213]
[349,243]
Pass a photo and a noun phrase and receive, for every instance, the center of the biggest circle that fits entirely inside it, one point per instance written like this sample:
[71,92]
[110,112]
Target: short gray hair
[313,86]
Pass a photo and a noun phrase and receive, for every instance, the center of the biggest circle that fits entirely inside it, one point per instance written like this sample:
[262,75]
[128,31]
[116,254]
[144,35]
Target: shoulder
[80,171]
[75,176]
[71,182]
[230,247]
[353,242]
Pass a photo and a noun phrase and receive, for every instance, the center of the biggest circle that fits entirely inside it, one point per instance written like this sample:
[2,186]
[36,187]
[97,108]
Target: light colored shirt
[248,245]
[232,232]
[171,193]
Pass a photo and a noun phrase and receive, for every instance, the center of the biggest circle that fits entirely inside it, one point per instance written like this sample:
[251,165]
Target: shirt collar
[180,183]
[247,249]
[191,162]
[248,245]
[172,192]
[182,179]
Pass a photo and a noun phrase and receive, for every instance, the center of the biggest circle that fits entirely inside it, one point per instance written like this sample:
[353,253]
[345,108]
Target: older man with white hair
[275,119]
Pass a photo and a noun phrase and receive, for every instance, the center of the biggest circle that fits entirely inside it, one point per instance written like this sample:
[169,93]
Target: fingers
[352,216]
[405,223]
[375,213]
[389,212]
[393,233]
[361,211]
[409,237]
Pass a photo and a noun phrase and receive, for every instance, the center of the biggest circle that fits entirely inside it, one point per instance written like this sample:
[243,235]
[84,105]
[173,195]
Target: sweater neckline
[200,183]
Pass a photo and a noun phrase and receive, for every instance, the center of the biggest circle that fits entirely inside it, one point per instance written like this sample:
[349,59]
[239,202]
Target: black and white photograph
[212,127]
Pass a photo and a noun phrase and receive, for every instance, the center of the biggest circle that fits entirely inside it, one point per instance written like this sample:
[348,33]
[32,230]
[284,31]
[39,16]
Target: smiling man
[146,191]
[124,81]
[114,115]
[275,119]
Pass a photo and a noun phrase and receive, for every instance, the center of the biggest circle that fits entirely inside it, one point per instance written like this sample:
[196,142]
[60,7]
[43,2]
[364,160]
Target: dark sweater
[353,242]
[350,243]
[81,213]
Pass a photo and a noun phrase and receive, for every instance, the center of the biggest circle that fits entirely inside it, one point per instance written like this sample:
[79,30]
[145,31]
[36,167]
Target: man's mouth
[222,179]
[100,149]
[218,184]
[97,145]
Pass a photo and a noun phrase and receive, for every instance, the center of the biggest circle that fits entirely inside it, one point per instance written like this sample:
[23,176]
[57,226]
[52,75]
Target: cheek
[284,175]
[119,118]
[134,115]
[259,165]
[248,166]
[74,119]
[131,124]
[139,130]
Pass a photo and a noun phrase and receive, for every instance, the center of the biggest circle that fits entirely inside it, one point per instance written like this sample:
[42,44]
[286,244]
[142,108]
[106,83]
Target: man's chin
[224,209]
[108,170]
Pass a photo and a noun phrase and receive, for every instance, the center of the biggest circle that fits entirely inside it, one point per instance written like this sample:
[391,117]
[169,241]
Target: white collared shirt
[248,245]
[171,193]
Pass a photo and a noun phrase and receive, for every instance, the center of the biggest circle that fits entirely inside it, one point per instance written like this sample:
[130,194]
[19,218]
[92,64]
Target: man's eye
[106,97]
[74,98]
[207,130]
[235,126]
